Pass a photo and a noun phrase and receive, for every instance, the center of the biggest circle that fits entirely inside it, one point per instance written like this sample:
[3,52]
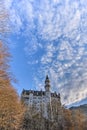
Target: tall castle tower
[47,84]
[47,89]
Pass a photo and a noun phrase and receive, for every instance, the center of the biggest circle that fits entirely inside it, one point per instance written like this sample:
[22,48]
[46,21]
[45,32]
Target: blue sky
[50,37]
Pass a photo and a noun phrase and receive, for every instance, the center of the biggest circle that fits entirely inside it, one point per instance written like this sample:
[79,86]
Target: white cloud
[59,28]
[48,56]
[8,3]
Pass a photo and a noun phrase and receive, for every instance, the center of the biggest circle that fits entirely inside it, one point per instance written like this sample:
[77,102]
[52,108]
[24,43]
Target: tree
[4,66]
[33,119]
[67,120]
[78,119]
[4,19]
[4,54]
[11,109]
[59,118]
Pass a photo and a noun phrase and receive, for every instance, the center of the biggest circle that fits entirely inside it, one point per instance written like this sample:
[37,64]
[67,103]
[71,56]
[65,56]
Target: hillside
[82,109]
[78,103]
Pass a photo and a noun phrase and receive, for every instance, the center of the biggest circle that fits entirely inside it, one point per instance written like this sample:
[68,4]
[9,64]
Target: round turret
[47,84]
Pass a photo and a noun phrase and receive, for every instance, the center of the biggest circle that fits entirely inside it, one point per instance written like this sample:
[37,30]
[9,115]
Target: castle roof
[39,93]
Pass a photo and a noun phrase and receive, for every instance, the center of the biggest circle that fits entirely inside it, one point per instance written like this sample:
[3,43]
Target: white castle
[41,99]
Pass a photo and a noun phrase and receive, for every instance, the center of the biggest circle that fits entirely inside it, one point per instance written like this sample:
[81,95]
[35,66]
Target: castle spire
[47,83]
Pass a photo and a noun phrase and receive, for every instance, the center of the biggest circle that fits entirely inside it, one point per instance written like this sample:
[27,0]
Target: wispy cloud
[56,30]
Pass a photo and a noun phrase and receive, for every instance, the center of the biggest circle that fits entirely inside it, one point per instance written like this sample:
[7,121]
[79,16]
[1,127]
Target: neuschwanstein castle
[41,98]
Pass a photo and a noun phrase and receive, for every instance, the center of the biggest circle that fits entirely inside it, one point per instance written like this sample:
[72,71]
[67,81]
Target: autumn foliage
[11,109]
[4,65]
[62,119]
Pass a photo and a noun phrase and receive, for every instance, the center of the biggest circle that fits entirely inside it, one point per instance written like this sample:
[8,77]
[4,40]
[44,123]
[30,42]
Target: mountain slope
[77,104]
[82,109]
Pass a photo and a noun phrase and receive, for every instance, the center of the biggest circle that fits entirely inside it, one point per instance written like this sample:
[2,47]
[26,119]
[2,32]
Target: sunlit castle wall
[40,99]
